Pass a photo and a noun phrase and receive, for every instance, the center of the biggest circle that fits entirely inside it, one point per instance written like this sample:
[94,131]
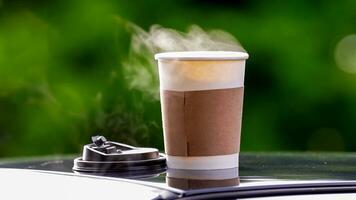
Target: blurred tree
[62,77]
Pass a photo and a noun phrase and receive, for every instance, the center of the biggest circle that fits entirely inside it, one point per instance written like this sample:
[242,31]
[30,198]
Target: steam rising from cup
[140,68]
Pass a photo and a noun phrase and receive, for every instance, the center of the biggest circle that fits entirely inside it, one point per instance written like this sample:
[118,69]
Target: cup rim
[202,55]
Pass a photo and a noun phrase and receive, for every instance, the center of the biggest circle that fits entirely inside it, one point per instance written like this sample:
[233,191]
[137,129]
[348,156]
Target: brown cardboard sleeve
[175,140]
[202,123]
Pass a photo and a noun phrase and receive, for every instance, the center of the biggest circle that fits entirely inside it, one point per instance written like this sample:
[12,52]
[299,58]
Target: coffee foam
[190,75]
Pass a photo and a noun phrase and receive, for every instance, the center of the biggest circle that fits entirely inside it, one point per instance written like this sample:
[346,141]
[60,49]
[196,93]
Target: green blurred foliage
[62,77]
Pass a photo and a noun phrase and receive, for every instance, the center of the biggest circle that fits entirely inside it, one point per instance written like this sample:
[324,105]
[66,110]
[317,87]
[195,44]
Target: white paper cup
[201,99]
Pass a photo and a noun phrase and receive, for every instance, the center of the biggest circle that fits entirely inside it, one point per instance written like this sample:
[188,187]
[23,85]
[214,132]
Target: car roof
[267,173]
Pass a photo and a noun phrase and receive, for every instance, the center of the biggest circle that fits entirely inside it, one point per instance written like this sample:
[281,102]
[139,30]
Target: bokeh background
[64,75]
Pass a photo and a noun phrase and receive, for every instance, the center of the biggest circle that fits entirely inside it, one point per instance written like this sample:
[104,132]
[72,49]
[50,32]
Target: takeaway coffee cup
[201,99]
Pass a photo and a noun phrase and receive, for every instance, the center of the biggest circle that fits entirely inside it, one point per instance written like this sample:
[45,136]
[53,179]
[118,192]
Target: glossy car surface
[260,175]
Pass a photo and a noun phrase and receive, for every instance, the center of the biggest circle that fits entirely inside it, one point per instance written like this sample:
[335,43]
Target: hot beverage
[201,100]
